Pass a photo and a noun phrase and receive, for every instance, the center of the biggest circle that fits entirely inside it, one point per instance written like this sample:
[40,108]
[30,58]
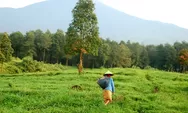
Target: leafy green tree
[83,32]
[183,58]
[5,47]
[178,47]
[29,45]
[152,54]
[38,44]
[136,50]
[17,42]
[113,54]
[124,56]
[46,42]
[57,47]
[160,57]
[170,57]
[144,58]
[103,53]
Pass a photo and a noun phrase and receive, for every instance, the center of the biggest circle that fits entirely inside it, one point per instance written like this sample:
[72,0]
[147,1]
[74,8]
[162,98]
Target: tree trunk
[16,53]
[103,63]
[183,68]
[57,61]
[67,61]
[44,55]
[80,66]
[93,64]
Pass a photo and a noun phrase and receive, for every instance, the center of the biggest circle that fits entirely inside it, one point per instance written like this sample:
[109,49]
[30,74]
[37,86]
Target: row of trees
[40,46]
[81,45]
[50,48]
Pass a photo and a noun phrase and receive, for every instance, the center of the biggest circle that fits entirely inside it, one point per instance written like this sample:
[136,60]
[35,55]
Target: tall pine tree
[5,47]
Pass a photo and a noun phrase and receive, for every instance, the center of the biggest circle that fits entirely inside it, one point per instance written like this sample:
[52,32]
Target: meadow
[137,91]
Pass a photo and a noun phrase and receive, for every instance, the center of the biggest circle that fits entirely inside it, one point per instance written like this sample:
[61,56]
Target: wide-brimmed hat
[108,73]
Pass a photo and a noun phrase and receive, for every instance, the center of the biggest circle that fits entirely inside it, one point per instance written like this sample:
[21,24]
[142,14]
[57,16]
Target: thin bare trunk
[57,61]
[80,66]
[44,56]
[67,61]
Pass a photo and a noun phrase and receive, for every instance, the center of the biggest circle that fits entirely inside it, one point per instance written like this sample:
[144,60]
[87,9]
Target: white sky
[168,11]
[17,3]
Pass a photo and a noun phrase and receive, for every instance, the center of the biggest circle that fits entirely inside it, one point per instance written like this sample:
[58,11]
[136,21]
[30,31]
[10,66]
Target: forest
[51,48]
[82,46]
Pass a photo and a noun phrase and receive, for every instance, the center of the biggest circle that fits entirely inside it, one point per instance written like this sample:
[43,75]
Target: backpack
[103,82]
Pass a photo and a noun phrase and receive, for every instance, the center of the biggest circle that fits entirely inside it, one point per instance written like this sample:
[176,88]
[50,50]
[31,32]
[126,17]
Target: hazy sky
[17,3]
[169,11]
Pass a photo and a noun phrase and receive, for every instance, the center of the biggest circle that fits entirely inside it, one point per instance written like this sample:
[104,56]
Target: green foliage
[137,91]
[12,68]
[27,64]
[29,46]
[1,35]
[104,52]
[30,65]
[124,56]
[144,58]
[165,57]
[2,57]
[46,43]
[149,68]
[38,44]
[5,47]
[136,50]
[17,39]
[113,56]
[83,32]
[65,48]
[183,59]
[56,51]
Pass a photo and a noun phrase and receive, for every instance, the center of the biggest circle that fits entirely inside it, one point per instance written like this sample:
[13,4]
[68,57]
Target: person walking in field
[109,89]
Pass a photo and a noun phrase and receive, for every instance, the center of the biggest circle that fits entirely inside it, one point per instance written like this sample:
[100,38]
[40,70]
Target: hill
[142,91]
[116,25]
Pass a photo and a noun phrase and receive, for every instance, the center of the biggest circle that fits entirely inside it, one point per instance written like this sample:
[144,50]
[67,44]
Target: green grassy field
[137,91]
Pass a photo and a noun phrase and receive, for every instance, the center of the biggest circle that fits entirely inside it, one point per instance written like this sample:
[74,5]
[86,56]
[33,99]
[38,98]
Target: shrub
[27,64]
[30,65]
[149,68]
[12,68]
[135,67]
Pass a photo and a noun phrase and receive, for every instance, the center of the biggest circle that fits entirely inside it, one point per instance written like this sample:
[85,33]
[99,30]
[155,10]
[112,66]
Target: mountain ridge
[113,24]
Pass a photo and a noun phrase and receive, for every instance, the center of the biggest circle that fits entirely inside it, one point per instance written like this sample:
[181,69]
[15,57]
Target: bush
[149,68]
[12,68]
[27,64]
[135,67]
[30,65]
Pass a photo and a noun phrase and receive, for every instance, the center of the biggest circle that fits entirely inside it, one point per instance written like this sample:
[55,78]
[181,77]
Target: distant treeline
[49,47]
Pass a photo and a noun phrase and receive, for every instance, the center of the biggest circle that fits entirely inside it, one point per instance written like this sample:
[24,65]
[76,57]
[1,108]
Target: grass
[137,91]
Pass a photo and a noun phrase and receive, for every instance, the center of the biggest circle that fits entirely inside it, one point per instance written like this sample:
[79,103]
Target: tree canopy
[5,47]
[83,32]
